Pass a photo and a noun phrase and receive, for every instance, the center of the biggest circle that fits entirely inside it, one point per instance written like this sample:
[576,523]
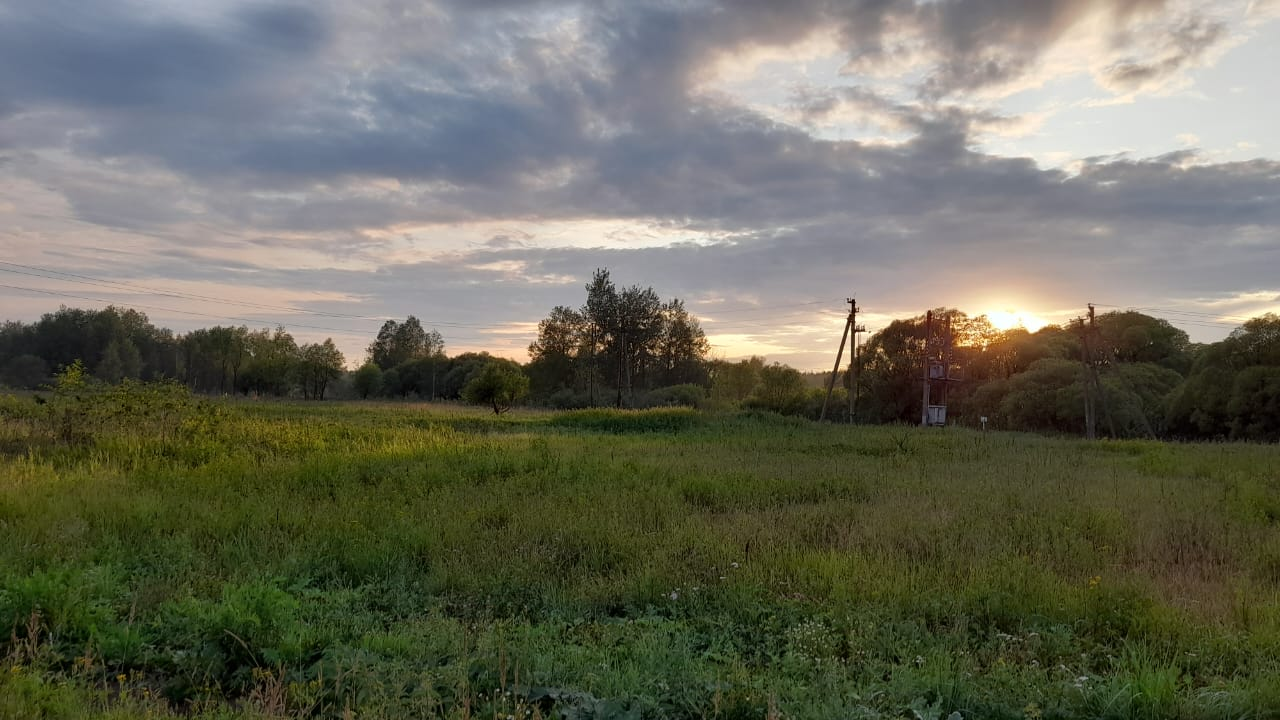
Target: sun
[1010,319]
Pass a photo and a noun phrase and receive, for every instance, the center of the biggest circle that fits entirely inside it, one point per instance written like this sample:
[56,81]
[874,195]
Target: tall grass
[396,560]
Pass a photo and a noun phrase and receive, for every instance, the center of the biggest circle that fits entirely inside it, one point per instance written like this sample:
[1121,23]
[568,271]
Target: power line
[247,321]
[176,310]
[111,284]
[769,309]
[63,276]
[1201,317]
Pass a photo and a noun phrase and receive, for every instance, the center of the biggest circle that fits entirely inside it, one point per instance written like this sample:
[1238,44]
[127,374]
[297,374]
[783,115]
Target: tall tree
[682,347]
[273,357]
[320,365]
[398,343]
[556,358]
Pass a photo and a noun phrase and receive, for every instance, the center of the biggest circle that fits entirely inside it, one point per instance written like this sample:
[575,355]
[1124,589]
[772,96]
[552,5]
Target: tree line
[625,346]
[116,344]
[1154,381]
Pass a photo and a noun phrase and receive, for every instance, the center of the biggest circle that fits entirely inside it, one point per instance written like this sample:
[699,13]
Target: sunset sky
[328,164]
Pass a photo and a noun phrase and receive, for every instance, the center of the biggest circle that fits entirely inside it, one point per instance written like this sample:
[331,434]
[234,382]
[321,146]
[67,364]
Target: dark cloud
[117,56]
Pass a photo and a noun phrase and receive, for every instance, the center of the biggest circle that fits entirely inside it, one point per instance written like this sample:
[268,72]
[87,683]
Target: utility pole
[1090,342]
[622,362]
[851,329]
[1090,414]
[594,368]
[1097,383]
[854,329]
[928,343]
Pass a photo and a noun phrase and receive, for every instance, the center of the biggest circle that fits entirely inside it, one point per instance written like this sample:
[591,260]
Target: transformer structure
[938,371]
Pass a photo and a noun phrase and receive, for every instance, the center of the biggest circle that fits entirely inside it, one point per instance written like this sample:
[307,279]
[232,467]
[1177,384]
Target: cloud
[1185,45]
[118,56]
[409,153]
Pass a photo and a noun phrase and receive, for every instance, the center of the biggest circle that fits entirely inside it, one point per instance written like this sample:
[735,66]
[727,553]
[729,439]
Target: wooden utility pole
[1094,395]
[622,362]
[854,329]
[594,368]
[928,351]
[851,329]
[1090,414]
[1097,382]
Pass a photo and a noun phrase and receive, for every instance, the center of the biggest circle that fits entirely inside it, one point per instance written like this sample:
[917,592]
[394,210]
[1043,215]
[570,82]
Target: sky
[329,164]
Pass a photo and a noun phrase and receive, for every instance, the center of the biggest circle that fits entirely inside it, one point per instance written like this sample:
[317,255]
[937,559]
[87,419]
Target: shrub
[500,384]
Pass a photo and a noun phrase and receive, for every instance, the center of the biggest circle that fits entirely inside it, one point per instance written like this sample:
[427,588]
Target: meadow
[362,560]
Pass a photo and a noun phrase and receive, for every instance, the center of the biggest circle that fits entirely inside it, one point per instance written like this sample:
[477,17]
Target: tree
[460,371]
[272,364]
[1231,390]
[781,390]
[321,364]
[391,386]
[25,371]
[556,358]
[625,338]
[682,345]
[1131,336]
[367,380]
[734,382]
[398,343]
[889,372]
[120,361]
[500,384]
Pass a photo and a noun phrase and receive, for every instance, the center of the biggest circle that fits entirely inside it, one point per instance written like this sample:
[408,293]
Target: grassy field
[386,561]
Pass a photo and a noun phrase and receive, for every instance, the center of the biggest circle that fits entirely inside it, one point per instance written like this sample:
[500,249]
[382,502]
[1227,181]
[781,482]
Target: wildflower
[1095,581]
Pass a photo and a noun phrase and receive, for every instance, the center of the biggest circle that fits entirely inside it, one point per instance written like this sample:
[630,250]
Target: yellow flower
[1095,581]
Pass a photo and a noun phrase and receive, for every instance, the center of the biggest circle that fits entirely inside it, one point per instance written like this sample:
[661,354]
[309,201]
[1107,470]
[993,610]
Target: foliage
[25,371]
[319,365]
[1233,390]
[624,339]
[321,561]
[367,380]
[399,343]
[627,347]
[499,384]
[733,383]
[81,411]
[781,389]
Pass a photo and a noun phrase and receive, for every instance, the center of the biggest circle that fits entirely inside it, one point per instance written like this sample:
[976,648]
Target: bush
[631,421]
[687,395]
[500,384]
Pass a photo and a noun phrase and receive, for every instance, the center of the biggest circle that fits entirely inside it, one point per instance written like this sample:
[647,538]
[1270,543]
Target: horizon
[359,355]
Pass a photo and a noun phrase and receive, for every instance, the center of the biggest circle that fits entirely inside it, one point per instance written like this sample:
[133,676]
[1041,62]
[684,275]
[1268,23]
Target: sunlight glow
[1010,319]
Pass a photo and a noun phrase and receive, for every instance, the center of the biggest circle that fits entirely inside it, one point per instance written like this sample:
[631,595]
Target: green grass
[394,560]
